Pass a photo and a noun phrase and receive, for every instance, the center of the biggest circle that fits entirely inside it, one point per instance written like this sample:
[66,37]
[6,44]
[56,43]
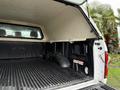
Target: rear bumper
[80,85]
[98,87]
[90,85]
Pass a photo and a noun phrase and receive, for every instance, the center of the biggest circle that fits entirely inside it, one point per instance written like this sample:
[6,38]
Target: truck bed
[37,75]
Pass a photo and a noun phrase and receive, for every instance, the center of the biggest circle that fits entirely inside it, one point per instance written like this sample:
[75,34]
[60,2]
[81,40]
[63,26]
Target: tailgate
[100,86]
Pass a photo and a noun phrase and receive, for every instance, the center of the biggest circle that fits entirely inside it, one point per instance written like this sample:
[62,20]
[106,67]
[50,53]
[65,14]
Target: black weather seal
[65,2]
[69,3]
[83,13]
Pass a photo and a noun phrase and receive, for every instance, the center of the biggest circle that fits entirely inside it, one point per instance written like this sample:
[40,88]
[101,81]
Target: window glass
[19,31]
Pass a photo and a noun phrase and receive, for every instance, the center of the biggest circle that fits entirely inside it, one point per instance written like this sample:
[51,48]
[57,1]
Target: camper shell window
[20,31]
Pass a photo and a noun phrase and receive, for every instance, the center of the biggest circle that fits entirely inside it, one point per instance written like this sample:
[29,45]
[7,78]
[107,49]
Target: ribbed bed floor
[36,75]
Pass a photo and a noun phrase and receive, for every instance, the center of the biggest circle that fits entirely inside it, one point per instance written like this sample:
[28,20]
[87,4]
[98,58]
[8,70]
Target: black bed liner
[37,75]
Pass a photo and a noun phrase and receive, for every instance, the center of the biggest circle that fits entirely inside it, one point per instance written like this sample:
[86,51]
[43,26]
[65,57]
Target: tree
[105,19]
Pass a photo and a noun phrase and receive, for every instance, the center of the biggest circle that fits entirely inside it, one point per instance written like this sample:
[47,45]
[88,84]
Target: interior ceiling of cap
[34,11]
[61,22]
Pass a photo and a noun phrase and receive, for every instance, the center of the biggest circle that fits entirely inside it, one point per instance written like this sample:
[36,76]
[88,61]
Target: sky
[115,4]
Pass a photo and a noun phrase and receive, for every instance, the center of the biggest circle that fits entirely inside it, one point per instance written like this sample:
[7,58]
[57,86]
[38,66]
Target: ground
[114,71]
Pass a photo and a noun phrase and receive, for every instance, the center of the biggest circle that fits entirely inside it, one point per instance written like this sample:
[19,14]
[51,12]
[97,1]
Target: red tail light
[106,65]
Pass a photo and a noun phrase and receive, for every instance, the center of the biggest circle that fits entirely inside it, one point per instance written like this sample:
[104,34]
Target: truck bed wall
[19,51]
[10,50]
